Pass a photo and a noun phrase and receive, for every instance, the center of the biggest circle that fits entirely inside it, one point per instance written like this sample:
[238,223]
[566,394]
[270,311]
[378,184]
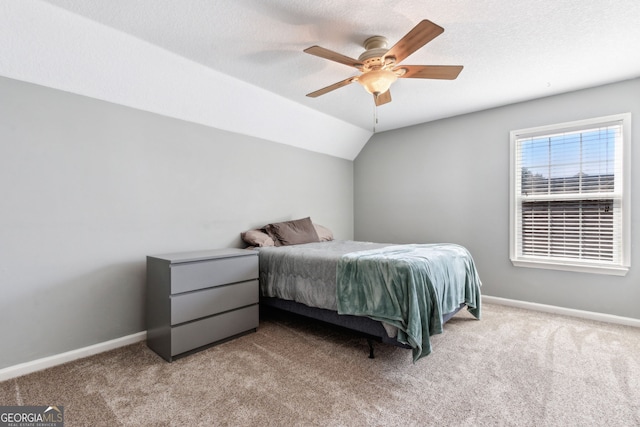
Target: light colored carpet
[512,368]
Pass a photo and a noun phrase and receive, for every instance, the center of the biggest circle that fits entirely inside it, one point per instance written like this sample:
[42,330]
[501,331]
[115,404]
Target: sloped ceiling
[239,66]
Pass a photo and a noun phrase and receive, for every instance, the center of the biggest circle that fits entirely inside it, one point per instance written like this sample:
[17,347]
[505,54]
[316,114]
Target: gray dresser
[197,298]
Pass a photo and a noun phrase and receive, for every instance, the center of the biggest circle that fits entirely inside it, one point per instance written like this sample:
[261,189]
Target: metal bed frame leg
[370,342]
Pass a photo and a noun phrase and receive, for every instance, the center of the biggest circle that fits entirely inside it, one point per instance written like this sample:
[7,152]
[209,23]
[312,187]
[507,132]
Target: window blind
[569,195]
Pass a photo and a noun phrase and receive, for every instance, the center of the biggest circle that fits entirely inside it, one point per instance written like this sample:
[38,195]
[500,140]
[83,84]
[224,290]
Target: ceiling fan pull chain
[375,117]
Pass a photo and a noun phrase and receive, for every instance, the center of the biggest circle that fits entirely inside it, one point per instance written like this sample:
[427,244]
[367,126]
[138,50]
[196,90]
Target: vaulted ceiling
[239,65]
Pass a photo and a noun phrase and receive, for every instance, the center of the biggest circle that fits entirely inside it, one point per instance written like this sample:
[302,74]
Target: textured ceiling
[244,57]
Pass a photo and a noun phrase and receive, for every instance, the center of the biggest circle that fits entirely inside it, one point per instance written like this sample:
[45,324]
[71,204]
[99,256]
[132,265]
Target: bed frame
[371,329]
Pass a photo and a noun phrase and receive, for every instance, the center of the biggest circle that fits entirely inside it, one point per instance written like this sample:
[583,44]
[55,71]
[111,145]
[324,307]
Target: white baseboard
[601,317]
[58,359]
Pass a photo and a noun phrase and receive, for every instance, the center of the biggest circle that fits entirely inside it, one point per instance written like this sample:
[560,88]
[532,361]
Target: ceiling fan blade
[331,87]
[382,98]
[333,56]
[420,35]
[444,72]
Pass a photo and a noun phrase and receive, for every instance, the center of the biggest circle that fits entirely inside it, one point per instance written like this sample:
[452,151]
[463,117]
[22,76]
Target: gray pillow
[292,232]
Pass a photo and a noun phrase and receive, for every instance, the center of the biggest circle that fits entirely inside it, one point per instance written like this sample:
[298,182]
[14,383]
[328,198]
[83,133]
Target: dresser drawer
[202,332]
[203,274]
[194,305]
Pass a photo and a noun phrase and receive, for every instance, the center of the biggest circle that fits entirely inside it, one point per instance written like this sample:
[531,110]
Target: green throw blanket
[410,287]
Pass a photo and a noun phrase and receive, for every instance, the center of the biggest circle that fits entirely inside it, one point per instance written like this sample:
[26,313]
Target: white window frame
[619,267]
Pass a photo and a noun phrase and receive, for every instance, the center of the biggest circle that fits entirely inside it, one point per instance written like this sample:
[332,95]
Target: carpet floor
[512,368]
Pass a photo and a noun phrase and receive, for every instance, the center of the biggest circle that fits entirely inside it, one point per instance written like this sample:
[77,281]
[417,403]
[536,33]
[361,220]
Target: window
[569,203]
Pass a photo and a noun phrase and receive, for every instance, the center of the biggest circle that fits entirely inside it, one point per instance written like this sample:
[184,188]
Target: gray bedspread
[306,273]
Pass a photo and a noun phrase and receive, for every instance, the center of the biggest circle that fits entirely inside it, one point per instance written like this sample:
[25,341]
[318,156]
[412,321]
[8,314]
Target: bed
[396,294]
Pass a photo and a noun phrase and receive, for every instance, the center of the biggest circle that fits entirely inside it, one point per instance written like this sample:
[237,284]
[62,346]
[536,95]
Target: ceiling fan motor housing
[372,57]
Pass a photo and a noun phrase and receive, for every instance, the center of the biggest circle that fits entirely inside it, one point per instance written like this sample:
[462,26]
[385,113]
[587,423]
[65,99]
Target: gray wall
[89,188]
[448,181]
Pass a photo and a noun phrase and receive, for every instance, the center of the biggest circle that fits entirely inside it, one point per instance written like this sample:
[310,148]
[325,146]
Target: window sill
[613,270]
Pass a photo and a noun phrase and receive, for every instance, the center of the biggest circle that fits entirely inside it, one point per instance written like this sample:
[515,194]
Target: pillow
[292,232]
[257,238]
[324,234]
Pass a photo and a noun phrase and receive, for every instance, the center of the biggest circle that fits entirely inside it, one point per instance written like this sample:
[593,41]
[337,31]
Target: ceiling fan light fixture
[377,81]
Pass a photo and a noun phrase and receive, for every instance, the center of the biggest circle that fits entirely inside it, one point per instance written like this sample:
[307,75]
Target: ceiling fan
[379,65]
